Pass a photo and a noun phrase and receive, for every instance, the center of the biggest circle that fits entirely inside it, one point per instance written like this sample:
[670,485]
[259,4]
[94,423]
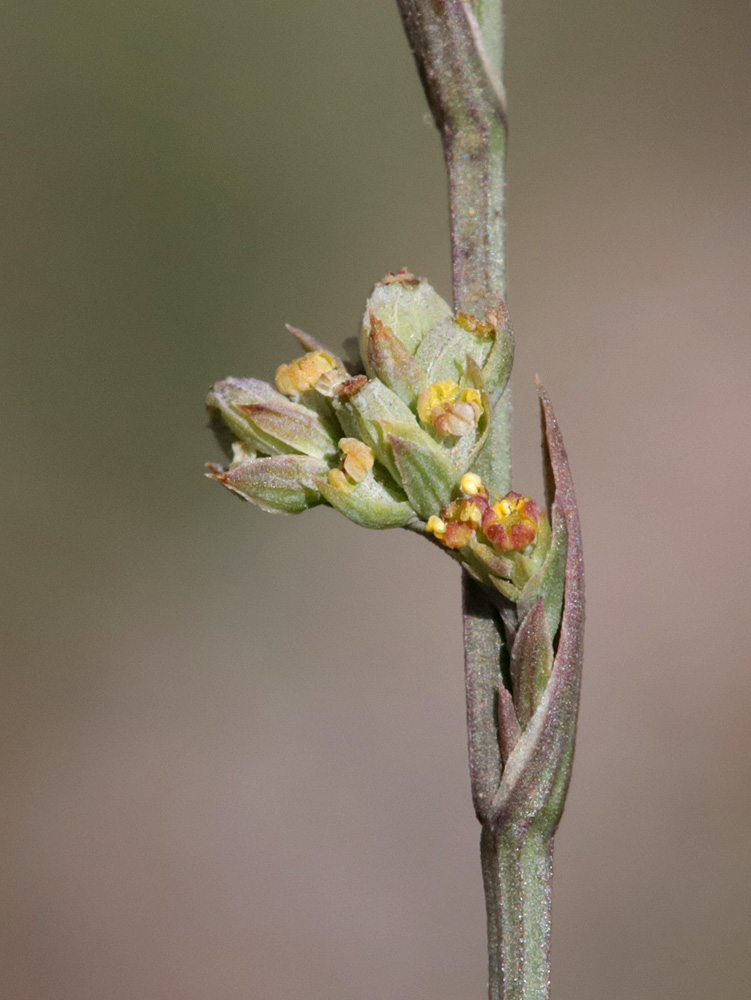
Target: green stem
[458,46]
[517,870]
[475,160]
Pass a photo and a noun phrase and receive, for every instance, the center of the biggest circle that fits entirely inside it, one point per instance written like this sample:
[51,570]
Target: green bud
[281,484]
[361,415]
[443,352]
[262,417]
[408,306]
[390,361]
[371,504]
[424,470]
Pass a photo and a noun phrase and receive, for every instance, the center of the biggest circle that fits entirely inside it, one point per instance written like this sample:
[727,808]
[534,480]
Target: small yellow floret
[436,527]
[303,373]
[451,410]
[467,511]
[474,398]
[471,484]
[434,396]
[339,481]
[358,458]
[509,505]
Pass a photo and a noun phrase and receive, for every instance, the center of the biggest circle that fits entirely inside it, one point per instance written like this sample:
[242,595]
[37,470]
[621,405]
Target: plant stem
[517,861]
[458,46]
[517,871]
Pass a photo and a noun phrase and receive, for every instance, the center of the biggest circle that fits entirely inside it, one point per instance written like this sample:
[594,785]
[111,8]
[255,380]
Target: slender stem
[458,46]
[475,160]
[517,871]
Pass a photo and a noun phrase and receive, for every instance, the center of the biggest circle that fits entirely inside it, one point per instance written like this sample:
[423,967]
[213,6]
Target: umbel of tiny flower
[400,445]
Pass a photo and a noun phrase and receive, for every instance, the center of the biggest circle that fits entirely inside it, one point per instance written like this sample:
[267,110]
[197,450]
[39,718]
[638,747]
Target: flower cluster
[399,445]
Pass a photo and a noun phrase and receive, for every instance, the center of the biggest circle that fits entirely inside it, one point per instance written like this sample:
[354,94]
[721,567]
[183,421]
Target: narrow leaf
[549,581]
[497,368]
[531,662]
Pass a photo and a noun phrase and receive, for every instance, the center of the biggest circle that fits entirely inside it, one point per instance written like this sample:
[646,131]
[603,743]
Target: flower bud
[265,419]
[408,306]
[370,503]
[455,420]
[443,353]
[280,484]
[459,521]
[485,530]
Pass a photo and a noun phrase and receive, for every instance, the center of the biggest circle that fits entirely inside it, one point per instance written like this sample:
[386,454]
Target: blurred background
[233,750]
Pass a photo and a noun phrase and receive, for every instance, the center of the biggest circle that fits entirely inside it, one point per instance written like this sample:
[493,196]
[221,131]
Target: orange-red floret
[511,524]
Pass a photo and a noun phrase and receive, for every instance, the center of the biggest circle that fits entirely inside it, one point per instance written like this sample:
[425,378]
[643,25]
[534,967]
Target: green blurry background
[233,747]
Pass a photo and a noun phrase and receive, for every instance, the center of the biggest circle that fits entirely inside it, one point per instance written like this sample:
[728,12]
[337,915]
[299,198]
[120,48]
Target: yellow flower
[452,411]
[357,461]
[303,373]
[358,458]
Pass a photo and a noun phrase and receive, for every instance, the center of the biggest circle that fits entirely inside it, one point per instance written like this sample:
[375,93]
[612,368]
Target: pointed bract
[443,352]
[424,471]
[390,361]
[312,343]
[369,504]
[281,484]
[535,779]
[531,662]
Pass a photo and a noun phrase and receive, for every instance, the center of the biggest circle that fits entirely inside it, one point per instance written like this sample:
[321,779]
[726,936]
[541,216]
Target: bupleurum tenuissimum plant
[418,437]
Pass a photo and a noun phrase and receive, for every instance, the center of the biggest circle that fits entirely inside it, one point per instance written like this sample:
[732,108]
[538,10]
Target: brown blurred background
[233,746]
